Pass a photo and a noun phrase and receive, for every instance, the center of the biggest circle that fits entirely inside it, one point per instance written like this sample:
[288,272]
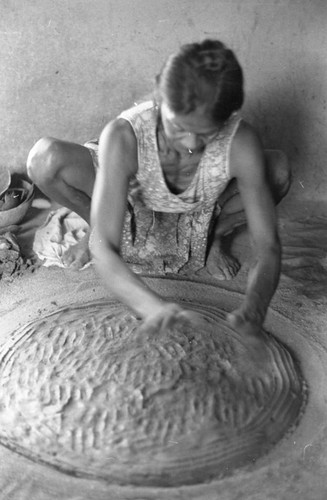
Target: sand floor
[296,467]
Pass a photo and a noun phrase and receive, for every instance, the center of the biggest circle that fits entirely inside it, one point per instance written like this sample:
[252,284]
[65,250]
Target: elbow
[102,250]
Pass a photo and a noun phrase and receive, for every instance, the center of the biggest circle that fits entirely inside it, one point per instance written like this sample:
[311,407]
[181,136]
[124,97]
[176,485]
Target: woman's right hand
[167,316]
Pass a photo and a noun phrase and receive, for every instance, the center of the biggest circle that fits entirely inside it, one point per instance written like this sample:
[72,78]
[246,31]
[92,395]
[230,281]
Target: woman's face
[192,131]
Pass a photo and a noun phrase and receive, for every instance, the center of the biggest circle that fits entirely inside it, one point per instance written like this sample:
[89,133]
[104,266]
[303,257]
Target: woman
[175,175]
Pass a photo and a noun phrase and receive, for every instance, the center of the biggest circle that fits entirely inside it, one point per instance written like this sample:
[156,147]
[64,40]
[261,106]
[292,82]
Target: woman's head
[205,74]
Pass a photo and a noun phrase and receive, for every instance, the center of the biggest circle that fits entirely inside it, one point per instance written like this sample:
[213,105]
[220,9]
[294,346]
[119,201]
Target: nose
[190,141]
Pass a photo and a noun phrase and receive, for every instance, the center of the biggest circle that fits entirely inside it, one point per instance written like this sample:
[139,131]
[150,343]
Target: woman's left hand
[243,323]
[255,348]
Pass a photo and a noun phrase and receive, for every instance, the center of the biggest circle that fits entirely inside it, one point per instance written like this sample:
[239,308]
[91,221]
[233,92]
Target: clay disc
[79,394]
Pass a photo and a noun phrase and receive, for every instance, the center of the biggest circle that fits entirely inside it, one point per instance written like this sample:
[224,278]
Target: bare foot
[221,265]
[76,256]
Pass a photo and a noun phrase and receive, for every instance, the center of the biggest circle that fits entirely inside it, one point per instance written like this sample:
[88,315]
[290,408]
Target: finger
[74,265]
[223,274]
[142,338]
[171,321]
[216,273]
[70,262]
[66,260]
[203,272]
[238,318]
[148,328]
[191,317]
[234,320]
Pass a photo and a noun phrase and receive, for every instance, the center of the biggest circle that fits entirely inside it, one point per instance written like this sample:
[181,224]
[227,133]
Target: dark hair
[205,73]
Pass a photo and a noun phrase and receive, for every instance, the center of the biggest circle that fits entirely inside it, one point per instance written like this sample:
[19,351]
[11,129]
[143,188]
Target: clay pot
[16,203]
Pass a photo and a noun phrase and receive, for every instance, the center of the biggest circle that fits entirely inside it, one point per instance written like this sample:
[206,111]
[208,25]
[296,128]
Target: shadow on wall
[287,114]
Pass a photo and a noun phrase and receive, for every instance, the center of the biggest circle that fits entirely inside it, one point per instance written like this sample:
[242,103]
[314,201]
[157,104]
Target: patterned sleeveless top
[165,232]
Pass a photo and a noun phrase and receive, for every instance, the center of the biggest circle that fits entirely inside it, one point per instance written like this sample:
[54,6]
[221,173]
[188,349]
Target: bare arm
[247,163]
[118,162]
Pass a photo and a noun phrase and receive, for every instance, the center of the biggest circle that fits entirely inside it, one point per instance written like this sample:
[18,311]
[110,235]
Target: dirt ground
[296,467]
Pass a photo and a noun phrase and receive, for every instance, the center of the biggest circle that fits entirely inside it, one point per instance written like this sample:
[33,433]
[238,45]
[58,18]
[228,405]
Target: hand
[244,323]
[166,317]
[254,354]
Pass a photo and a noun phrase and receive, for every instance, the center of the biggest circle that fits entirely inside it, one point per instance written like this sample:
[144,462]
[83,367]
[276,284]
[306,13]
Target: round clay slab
[80,393]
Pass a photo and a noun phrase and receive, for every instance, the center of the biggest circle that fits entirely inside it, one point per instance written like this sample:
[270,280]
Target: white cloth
[61,230]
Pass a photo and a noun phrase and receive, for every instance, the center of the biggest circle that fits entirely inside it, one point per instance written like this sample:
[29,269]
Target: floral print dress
[165,232]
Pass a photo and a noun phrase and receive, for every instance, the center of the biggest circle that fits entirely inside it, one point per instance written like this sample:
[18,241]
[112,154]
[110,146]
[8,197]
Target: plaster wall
[67,67]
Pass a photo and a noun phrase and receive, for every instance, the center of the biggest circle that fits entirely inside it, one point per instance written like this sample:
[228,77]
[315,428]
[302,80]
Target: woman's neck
[168,149]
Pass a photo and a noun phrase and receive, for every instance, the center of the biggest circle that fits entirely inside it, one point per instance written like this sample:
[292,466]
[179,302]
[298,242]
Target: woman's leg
[279,178]
[232,215]
[64,172]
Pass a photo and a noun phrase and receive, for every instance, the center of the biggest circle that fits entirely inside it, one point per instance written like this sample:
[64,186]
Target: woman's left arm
[248,166]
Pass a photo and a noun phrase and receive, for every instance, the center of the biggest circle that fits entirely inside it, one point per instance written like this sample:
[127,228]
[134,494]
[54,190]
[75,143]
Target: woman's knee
[45,160]
[279,173]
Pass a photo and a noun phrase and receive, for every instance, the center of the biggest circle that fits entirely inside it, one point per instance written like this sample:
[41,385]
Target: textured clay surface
[79,393]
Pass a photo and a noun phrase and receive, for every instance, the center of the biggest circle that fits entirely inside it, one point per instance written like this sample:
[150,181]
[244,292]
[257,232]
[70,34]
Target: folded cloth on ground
[61,230]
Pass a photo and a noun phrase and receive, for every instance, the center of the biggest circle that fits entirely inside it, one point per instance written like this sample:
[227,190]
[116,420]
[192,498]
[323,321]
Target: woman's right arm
[118,163]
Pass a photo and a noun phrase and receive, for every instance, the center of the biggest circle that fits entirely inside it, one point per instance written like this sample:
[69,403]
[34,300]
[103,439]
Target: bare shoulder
[247,155]
[120,129]
[118,143]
